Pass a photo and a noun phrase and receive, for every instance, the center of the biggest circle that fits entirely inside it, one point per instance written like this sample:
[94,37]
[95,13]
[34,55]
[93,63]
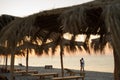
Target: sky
[27,7]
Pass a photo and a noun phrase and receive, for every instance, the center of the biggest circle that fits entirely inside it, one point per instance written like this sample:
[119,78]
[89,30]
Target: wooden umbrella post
[12,67]
[61,58]
[27,61]
[6,56]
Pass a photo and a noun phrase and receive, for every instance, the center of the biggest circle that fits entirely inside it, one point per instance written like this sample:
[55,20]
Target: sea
[96,62]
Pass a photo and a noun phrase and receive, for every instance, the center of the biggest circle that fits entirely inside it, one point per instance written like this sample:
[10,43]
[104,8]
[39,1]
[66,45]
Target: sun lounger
[16,69]
[20,64]
[48,66]
[42,75]
[71,73]
[4,70]
[2,77]
[23,72]
[68,78]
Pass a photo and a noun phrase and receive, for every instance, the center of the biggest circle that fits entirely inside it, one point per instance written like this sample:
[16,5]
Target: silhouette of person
[82,64]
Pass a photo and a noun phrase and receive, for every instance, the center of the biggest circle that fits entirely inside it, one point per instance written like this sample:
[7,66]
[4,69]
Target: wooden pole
[6,61]
[27,61]
[12,67]
[61,58]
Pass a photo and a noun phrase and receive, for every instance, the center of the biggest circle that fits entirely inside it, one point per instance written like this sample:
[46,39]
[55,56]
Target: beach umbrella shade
[4,52]
[96,17]
[26,48]
[4,20]
[30,26]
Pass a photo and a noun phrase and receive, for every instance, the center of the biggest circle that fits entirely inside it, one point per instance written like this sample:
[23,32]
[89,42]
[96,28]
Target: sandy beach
[89,75]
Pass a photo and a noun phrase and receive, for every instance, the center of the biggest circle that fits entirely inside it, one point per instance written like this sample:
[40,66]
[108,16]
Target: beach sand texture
[89,75]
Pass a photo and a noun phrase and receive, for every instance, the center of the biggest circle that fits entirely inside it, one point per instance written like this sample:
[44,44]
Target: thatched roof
[86,18]
[89,18]
[100,46]
[3,50]
[6,19]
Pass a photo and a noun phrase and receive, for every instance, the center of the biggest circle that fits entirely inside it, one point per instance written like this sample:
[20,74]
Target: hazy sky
[27,7]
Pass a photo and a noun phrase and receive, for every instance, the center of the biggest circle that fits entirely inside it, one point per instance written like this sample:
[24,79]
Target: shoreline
[89,75]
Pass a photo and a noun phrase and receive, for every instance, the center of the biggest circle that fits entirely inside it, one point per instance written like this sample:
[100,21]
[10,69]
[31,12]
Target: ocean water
[101,63]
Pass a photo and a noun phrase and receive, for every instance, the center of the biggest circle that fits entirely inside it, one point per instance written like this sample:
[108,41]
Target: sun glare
[78,37]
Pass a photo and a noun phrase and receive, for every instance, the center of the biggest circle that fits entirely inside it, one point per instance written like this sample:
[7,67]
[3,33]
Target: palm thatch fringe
[6,19]
[112,19]
[99,45]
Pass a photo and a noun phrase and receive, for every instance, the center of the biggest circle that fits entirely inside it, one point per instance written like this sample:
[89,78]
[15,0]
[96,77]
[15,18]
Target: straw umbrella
[4,20]
[26,48]
[19,33]
[4,52]
[20,28]
[97,17]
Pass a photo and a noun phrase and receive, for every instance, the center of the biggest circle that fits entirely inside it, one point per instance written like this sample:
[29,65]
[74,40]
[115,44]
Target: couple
[82,64]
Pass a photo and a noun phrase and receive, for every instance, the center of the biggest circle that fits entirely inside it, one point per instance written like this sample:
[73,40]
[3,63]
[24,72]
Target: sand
[89,75]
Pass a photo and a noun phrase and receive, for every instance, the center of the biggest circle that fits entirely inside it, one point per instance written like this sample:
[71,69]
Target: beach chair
[2,77]
[15,69]
[21,65]
[69,78]
[4,70]
[48,66]
[43,75]
[72,73]
[23,72]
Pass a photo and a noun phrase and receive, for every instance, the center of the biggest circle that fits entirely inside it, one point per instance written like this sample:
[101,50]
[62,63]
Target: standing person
[82,64]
